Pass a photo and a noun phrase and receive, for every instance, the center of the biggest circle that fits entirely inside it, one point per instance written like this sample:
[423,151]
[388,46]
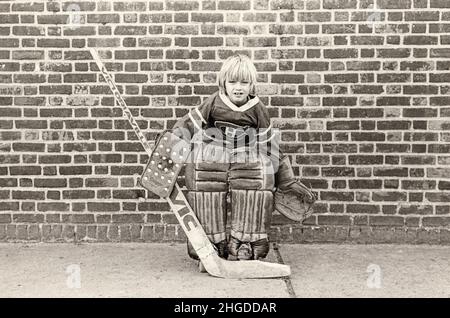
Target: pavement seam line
[287,280]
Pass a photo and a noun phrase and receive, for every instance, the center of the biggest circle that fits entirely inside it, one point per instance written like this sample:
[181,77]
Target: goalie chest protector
[165,163]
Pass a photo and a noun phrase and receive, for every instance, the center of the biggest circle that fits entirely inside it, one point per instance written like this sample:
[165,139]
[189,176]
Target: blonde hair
[239,68]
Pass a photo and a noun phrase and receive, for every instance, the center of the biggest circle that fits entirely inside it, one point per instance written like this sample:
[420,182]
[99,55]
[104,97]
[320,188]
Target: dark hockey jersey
[219,108]
[253,114]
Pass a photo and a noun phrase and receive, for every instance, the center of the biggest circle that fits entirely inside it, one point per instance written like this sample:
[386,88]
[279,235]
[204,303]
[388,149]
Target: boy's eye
[234,82]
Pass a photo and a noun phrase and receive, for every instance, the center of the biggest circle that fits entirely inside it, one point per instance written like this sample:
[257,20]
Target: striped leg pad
[210,208]
[251,214]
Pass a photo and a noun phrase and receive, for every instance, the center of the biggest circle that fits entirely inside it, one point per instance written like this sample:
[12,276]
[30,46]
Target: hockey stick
[213,264]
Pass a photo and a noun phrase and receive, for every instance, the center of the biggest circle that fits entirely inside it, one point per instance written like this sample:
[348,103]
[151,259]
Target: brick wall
[360,90]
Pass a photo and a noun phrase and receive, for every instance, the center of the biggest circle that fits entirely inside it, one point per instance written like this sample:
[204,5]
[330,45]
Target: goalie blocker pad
[165,163]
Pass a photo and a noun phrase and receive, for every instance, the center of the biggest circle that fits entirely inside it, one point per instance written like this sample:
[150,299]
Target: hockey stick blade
[253,269]
[214,265]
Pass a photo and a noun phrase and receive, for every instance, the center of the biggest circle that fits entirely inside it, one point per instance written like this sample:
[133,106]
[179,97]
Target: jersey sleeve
[269,138]
[195,120]
[265,131]
[263,117]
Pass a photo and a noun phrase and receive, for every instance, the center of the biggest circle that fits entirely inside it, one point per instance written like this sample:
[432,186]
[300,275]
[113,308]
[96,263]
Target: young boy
[230,165]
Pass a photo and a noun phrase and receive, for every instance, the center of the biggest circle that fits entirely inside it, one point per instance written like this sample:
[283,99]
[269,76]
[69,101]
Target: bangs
[239,72]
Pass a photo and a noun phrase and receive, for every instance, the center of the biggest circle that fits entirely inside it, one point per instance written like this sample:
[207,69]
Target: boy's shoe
[221,249]
[260,248]
[191,251]
[244,252]
[248,250]
[233,246]
[240,250]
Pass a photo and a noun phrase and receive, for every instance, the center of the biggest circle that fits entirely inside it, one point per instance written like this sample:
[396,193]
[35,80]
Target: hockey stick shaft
[121,101]
[177,201]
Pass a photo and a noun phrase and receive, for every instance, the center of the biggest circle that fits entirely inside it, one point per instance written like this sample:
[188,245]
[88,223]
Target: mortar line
[287,280]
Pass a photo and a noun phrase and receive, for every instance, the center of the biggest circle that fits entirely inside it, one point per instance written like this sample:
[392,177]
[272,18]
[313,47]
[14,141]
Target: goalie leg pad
[206,181]
[252,185]
[210,208]
[251,213]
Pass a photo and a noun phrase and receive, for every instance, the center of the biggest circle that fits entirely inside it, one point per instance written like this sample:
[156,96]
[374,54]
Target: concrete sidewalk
[164,270]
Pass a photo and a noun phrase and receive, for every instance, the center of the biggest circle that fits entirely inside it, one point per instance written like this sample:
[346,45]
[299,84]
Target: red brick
[148,234]
[400,4]
[233,5]
[55,89]
[5,218]
[415,209]
[158,90]
[33,7]
[128,218]
[286,101]
[206,41]
[10,135]
[128,194]
[177,5]
[260,42]
[80,147]
[341,78]
[103,18]
[153,206]
[158,66]
[439,4]
[333,220]
[79,78]
[339,4]
[155,18]
[75,170]
[337,29]
[25,170]
[28,218]
[53,43]
[9,67]
[363,208]
[9,43]
[420,40]
[286,5]
[28,30]
[52,206]
[393,53]
[428,236]
[28,195]
[129,6]
[287,78]
[5,78]
[9,18]
[312,66]
[78,194]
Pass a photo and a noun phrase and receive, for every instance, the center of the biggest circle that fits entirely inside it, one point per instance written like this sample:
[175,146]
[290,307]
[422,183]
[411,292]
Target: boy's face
[237,91]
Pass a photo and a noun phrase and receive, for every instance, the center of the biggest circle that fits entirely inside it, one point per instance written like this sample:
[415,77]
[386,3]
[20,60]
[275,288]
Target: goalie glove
[296,187]
[294,200]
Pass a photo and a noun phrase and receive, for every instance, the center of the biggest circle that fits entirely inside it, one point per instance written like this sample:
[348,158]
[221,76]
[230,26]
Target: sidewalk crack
[287,280]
